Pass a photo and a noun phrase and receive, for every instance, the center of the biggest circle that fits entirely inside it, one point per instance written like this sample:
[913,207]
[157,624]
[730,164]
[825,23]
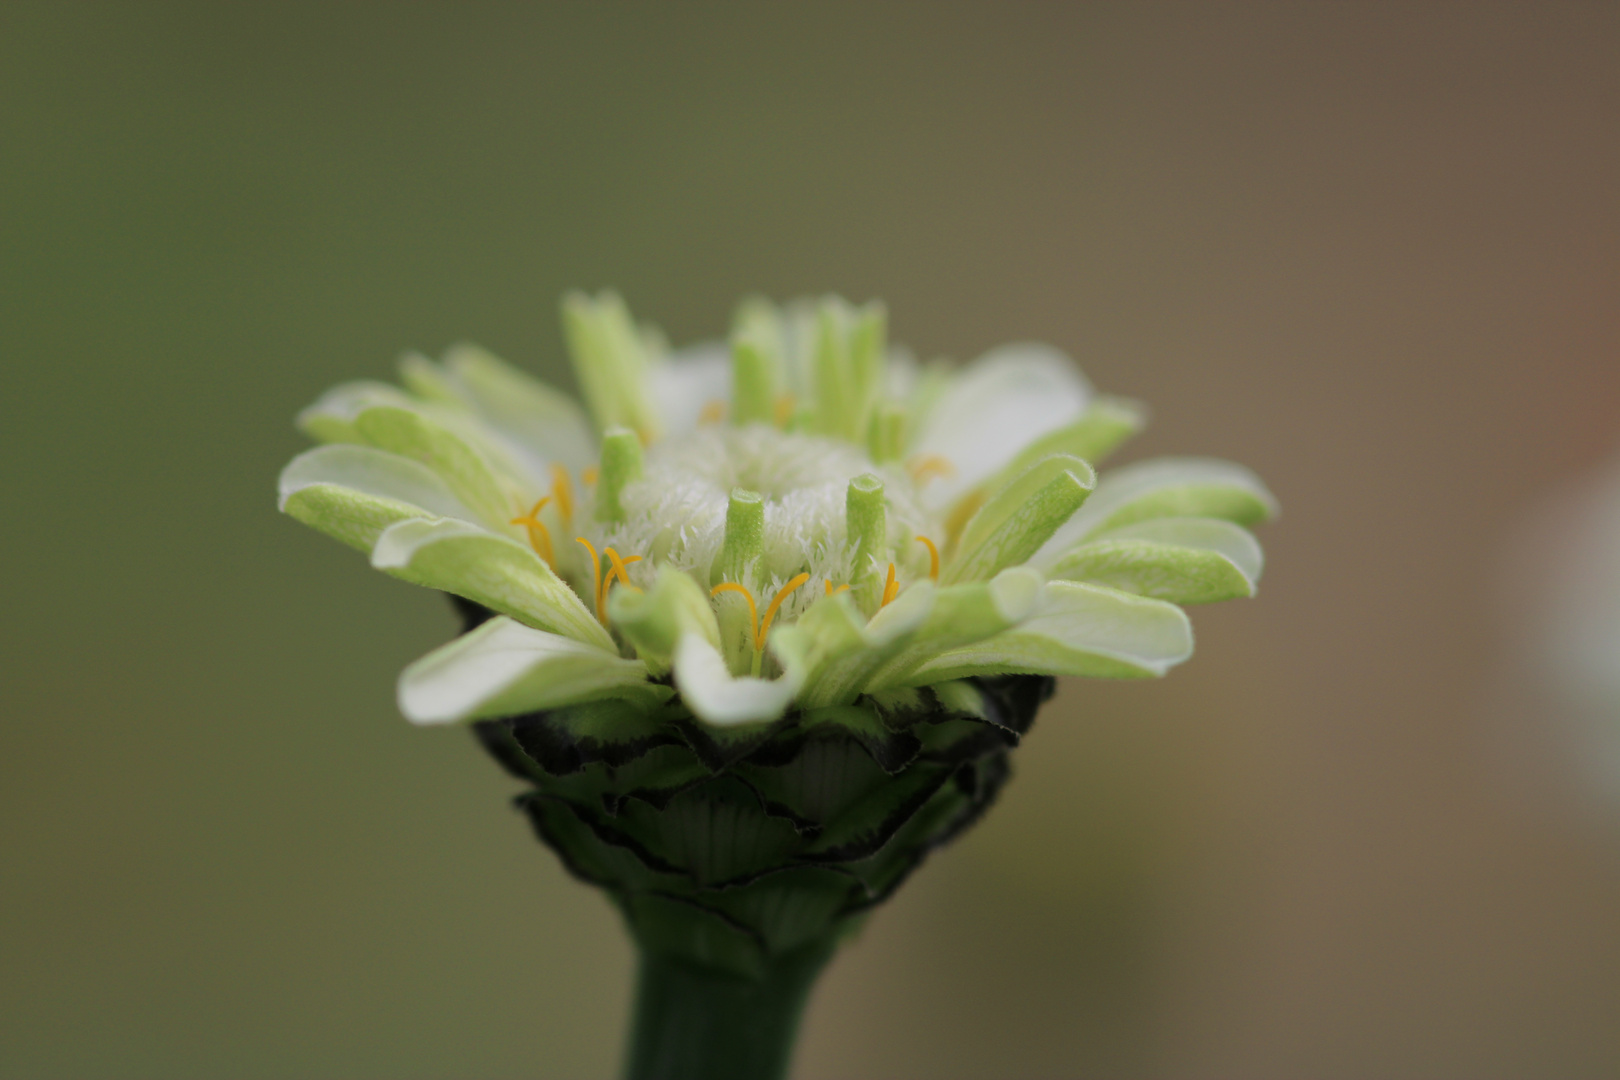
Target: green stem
[700,1023]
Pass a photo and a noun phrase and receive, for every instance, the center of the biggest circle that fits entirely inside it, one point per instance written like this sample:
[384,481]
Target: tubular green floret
[621,463]
[866,524]
[610,361]
[738,561]
[755,384]
[886,438]
[830,371]
[868,354]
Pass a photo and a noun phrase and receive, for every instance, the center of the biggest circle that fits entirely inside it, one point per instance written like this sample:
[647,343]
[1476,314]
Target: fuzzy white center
[676,513]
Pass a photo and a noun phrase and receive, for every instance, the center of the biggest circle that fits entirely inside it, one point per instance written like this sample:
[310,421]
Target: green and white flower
[760,623]
[798,521]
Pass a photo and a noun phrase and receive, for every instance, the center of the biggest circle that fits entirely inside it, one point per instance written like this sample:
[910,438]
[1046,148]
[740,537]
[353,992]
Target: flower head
[801,519]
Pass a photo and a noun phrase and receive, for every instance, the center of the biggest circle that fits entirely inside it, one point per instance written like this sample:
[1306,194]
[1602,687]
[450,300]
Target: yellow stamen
[563,491]
[713,412]
[784,410]
[891,588]
[933,558]
[928,466]
[760,629]
[539,535]
[770,612]
[589,474]
[615,571]
[834,592]
[732,586]
[596,573]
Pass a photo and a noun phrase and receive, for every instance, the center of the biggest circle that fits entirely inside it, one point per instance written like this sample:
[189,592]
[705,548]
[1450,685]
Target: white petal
[371,472]
[716,696]
[495,571]
[504,668]
[1163,487]
[687,381]
[546,423]
[994,408]
[1079,629]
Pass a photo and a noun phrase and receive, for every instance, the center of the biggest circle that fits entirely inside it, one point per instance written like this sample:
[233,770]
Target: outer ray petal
[354,492]
[1080,629]
[994,408]
[716,696]
[547,422]
[504,668]
[1163,487]
[1182,560]
[500,573]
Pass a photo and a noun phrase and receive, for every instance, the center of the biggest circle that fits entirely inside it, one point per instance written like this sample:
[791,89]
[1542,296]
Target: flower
[760,622]
[805,518]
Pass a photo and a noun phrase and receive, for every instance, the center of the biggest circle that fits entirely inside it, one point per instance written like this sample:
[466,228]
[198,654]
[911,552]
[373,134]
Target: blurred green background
[1369,250]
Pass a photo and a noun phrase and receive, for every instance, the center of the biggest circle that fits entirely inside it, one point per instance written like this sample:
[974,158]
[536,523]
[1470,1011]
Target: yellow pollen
[834,592]
[563,491]
[891,588]
[933,558]
[784,410]
[588,474]
[928,466]
[713,412]
[539,535]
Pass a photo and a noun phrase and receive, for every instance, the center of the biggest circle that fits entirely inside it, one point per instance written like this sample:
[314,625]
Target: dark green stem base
[698,1023]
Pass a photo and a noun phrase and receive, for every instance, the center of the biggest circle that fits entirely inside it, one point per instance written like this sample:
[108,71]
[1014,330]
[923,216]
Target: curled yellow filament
[933,558]
[761,628]
[601,581]
[539,535]
[834,592]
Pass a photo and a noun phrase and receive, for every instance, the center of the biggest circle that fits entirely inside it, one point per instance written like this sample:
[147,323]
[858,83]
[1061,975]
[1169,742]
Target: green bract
[760,621]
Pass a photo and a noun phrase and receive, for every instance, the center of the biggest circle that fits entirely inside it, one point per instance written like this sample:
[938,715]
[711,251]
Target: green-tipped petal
[991,411]
[1014,524]
[1078,629]
[655,621]
[504,668]
[715,696]
[1164,487]
[1106,423]
[331,418]
[353,493]
[410,433]
[500,573]
[961,615]
[545,420]
[1182,560]
[755,379]
[610,361]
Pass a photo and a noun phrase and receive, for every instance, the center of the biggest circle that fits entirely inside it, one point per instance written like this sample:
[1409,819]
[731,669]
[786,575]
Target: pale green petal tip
[501,574]
[503,668]
[717,697]
[1183,560]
